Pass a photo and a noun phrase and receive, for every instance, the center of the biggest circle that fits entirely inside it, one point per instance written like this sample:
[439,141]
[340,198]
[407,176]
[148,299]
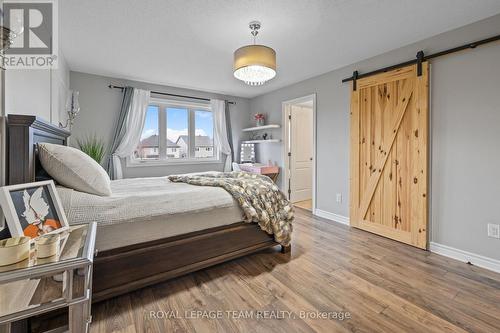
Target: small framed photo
[32,209]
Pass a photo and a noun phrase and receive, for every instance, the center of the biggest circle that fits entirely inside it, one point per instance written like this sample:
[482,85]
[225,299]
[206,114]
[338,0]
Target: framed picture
[32,209]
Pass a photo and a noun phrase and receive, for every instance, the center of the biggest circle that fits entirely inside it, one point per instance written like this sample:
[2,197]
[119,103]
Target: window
[148,147]
[204,141]
[177,124]
[176,132]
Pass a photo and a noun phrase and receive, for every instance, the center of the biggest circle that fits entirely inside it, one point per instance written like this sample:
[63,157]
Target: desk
[271,171]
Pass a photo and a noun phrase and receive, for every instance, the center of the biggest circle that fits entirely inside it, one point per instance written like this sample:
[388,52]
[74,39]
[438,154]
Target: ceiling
[190,44]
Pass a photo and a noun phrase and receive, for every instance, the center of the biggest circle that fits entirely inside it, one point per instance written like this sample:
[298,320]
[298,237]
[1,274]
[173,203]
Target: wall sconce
[6,37]
[72,107]
[8,34]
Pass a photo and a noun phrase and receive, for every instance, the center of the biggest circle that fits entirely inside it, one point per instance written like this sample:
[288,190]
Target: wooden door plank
[403,177]
[354,156]
[399,113]
[392,103]
[404,158]
[377,129]
[395,75]
[363,163]
[386,231]
[389,172]
[368,143]
[364,166]
[419,193]
[366,123]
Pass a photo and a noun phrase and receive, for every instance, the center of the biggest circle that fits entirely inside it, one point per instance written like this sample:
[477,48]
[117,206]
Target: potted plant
[92,146]
[259,119]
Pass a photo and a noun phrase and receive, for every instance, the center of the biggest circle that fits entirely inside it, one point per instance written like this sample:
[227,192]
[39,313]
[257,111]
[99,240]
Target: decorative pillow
[73,168]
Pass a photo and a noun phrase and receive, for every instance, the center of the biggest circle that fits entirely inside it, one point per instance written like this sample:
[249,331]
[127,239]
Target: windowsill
[134,164]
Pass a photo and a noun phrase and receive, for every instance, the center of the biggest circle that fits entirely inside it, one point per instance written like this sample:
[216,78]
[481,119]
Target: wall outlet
[494,230]
[339,197]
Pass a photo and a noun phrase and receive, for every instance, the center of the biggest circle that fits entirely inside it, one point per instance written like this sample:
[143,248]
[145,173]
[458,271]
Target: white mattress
[142,209]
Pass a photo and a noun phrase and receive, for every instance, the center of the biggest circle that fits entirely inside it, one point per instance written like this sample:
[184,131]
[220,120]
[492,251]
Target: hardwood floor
[305,204]
[384,285]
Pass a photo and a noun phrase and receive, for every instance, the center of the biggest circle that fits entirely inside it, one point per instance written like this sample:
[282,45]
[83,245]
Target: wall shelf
[263,141]
[260,128]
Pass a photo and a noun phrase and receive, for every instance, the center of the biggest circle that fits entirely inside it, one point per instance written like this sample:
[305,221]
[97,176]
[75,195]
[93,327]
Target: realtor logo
[34,29]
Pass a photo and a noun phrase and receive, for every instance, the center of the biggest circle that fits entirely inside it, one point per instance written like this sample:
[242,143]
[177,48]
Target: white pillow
[73,168]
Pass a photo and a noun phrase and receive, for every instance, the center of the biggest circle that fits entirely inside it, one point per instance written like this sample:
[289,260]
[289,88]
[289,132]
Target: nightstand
[36,286]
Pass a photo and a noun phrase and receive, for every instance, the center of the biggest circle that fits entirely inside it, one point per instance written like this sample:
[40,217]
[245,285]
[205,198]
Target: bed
[139,243]
[145,209]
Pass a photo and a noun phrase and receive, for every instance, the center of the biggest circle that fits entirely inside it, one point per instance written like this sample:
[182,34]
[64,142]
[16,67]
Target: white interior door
[301,149]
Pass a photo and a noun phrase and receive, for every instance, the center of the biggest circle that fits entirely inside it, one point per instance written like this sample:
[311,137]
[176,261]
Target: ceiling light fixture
[254,64]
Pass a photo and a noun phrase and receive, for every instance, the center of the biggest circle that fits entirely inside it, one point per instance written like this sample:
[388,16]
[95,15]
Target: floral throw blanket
[259,198]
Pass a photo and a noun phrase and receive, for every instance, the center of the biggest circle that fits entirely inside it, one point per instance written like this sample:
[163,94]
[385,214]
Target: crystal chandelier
[254,64]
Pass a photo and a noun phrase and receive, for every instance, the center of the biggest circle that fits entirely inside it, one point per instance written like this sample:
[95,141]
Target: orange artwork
[47,226]
[37,215]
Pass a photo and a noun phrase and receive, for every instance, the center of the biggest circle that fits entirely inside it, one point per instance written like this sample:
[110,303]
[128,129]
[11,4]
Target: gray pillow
[73,168]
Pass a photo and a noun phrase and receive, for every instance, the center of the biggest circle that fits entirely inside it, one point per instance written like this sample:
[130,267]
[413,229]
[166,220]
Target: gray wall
[100,107]
[465,134]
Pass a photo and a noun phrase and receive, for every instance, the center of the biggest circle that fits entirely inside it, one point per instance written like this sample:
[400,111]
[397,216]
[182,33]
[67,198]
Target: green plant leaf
[92,146]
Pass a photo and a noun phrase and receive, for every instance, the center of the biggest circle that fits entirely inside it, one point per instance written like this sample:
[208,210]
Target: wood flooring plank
[404,309]
[431,301]
[114,316]
[386,286]
[267,284]
[143,305]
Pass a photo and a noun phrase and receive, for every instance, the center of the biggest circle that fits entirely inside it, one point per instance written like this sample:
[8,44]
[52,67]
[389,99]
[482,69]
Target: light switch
[493,230]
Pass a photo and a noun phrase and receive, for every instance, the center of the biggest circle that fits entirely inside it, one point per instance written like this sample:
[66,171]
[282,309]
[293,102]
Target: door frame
[286,139]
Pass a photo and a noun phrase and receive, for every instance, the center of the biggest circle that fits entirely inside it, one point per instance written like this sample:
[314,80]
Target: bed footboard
[125,269]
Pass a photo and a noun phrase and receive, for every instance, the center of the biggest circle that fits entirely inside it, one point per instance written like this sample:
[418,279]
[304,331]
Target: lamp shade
[254,64]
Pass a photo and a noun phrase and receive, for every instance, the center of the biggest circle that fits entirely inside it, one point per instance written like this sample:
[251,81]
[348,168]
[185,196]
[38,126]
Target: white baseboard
[475,259]
[331,216]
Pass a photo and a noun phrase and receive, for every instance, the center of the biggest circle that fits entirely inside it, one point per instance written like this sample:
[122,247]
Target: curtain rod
[174,95]
[421,57]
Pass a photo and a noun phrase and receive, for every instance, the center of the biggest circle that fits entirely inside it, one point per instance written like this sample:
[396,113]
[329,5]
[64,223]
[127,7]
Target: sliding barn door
[389,148]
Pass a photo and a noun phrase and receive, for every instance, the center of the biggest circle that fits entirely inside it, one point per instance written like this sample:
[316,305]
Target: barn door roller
[420,59]
[354,78]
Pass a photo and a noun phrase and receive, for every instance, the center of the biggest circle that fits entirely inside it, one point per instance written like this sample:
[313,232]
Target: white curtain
[134,123]
[221,133]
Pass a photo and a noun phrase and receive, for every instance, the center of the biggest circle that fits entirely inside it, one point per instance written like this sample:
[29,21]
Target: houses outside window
[147,150]
[176,132]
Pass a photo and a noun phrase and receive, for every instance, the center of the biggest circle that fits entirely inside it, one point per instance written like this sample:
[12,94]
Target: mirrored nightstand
[39,285]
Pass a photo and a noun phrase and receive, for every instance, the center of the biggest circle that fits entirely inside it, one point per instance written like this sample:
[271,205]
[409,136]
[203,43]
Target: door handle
[310,159]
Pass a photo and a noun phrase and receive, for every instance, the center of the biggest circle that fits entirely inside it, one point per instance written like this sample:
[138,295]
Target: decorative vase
[13,250]
[260,122]
[47,245]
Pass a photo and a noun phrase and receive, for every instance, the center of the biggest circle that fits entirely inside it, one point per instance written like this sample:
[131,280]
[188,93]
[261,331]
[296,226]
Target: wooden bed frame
[128,268]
